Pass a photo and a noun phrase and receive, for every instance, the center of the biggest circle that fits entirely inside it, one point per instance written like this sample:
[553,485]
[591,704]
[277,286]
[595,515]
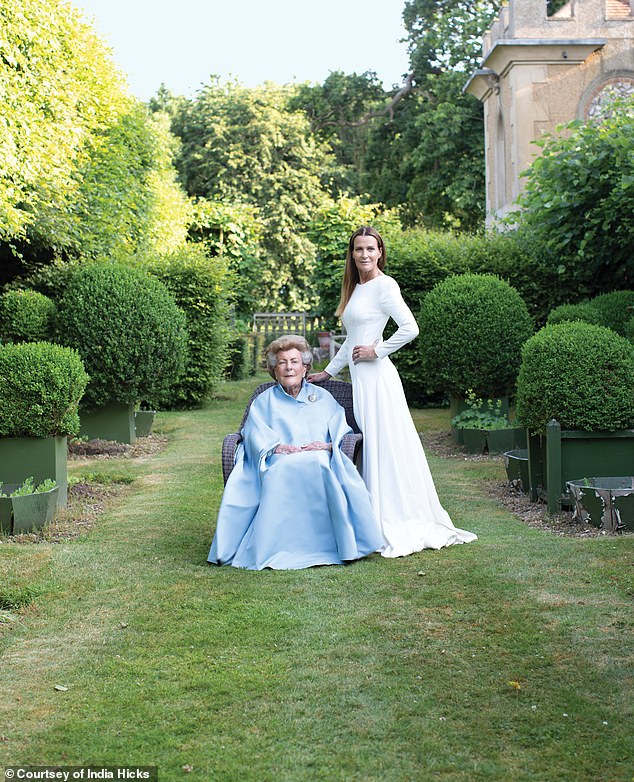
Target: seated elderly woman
[293,498]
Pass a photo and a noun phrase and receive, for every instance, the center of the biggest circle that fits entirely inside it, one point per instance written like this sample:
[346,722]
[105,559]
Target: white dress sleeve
[392,303]
[339,360]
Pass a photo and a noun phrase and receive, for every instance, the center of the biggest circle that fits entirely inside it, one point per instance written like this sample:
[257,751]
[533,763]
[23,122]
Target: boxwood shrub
[583,311]
[578,373]
[26,316]
[201,287]
[614,309]
[473,327]
[128,330]
[41,385]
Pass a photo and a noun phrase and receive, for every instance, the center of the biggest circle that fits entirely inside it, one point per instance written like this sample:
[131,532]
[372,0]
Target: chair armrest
[229,445]
[351,445]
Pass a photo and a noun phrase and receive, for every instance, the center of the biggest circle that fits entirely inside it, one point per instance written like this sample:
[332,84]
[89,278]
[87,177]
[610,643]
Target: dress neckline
[371,279]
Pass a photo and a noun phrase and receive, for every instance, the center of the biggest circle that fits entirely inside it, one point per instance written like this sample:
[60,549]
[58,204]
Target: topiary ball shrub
[472,328]
[26,316]
[565,313]
[580,374]
[128,330]
[41,385]
[614,309]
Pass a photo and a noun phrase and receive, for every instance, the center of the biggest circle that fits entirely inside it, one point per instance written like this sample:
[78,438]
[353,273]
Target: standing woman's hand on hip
[363,353]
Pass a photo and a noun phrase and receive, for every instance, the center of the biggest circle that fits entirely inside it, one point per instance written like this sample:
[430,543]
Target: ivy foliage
[128,330]
[578,373]
[41,385]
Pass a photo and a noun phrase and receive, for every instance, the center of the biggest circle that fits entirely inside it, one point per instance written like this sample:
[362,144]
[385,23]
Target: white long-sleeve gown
[394,467]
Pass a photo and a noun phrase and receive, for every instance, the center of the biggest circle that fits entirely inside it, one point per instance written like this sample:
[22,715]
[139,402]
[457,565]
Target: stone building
[544,63]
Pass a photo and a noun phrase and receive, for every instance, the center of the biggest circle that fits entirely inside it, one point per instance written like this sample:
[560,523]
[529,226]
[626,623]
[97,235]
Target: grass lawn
[505,659]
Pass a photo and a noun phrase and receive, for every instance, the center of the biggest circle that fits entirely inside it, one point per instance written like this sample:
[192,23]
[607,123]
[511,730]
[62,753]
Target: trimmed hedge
[26,316]
[239,365]
[201,287]
[473,327]
[565,313]
[578,373]
[41,385]
[614,309]
[128,330]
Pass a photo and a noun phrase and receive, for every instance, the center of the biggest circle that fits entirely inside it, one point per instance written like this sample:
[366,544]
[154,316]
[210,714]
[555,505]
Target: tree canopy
[84,169]
[247,146]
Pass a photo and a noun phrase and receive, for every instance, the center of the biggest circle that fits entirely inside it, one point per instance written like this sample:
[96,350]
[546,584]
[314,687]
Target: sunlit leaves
[579,198]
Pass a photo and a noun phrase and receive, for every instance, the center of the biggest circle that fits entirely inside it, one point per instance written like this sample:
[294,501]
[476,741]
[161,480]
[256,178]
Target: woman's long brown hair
[351,273]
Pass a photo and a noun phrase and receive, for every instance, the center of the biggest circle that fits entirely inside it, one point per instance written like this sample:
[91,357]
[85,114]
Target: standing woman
[394,468]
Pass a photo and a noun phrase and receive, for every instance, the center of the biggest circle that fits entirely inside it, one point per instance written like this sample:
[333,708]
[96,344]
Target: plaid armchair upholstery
[342,392]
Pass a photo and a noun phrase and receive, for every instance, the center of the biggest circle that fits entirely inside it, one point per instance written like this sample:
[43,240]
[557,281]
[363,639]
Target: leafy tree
[578,201]
[245,145]
[232,231]
[127,197]
[84,170]
[342,112]
[58,85]
[431,157]
[447,34]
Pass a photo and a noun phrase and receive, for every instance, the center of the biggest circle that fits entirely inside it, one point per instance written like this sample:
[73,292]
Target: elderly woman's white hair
[288,342]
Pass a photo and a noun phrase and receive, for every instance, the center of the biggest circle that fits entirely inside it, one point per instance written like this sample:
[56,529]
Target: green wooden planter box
[516,466]
[491,440]
[111,422]
[27,513]
[604,502]
[474,440]
[501,440]
[456,434]
[42,458]
[560,456]
[143,422]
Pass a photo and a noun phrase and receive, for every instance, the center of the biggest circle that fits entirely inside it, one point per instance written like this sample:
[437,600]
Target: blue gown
[291,511]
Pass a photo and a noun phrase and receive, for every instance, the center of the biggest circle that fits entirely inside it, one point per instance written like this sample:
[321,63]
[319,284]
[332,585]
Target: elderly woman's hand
[317,445]
[285,448]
